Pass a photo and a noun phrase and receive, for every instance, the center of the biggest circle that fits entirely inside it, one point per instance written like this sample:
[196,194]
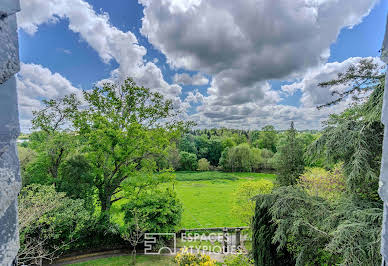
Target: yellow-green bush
[203,165]
[243,206]
[326,184]
[185,258]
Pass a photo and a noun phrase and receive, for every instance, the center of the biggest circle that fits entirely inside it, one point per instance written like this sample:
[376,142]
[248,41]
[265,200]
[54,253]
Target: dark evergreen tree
[289,161]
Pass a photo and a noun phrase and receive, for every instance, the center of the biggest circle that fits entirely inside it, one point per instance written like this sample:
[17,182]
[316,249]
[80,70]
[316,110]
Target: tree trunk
[134,256]
[106,203]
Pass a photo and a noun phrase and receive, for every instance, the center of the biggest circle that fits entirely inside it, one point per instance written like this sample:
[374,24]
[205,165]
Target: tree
[203,165]
[240,158]
[162,209]
[54,119]
[77,180]
[188,161]
[134,231]
[267,139]
[173,157]
[355,136]
[48,223]
[289,160]
[125,128]
[214,150]
[243,199]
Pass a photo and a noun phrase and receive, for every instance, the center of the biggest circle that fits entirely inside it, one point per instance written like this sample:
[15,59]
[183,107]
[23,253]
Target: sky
[236,64]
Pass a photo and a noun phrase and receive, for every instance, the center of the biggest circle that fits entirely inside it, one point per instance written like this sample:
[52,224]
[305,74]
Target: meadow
[207,197]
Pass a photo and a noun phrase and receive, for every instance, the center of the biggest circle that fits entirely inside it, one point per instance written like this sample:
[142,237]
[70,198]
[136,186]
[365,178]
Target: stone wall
[9,130]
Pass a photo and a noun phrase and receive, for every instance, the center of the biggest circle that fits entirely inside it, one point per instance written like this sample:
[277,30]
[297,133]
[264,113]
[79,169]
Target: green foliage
[124,130]
[184,257]
[243,203]
[161,211]
[238,260]
[173,157]
[289,159]
[264,251]
[77,180]
[240,158]
[325,184]
[49,222]
[188,161]
[266,159]
[321,232]
[355,136]
[203,165]
[187,144]
[26,156]
[267,139]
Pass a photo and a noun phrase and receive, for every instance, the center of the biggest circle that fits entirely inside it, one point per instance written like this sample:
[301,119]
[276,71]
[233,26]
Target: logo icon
[151,244]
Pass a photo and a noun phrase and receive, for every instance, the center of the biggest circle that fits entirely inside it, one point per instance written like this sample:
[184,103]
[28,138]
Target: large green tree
[125,127]
[53,142]
[267,138]
[289,159]
[355,136]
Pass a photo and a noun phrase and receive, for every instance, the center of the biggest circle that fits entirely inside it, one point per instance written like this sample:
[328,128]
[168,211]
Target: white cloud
[185,79]
[245,43]
[240,44]
[313,95]
[35,82]
[96,29]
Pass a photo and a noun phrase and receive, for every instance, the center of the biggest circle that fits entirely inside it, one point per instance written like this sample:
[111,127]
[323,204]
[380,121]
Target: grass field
[207,197]
[141,260]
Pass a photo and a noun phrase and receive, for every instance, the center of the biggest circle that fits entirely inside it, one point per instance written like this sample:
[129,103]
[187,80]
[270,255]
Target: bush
[238,260]
[161,211]
[240,158]
[266,159]
[326,184]
[188,161]
[184,258]
[49,223]
[203,165]
[244,205]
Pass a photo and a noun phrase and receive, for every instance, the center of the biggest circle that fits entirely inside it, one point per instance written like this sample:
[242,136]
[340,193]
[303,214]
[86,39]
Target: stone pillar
[9,130]
[225,240]
[238,239]
[383,186]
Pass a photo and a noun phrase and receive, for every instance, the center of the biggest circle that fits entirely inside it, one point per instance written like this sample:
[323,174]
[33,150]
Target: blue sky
[260,99]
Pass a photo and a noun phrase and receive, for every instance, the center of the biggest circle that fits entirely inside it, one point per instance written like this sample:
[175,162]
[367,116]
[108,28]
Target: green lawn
[207,197]
[141,260]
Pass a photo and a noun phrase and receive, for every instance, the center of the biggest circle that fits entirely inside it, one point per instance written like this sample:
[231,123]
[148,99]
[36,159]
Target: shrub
[326,184]
[203,165]
[266,159]
[188,161]
[49,223]
[238,260]
[240,158]
[244,206]
[161,211]
[185,258]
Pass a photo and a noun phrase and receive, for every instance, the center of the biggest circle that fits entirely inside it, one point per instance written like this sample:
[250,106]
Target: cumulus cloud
[240,44]
[313,95]
[268,110]
[35,82]
[243,43]
[185,79]
[96,29]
